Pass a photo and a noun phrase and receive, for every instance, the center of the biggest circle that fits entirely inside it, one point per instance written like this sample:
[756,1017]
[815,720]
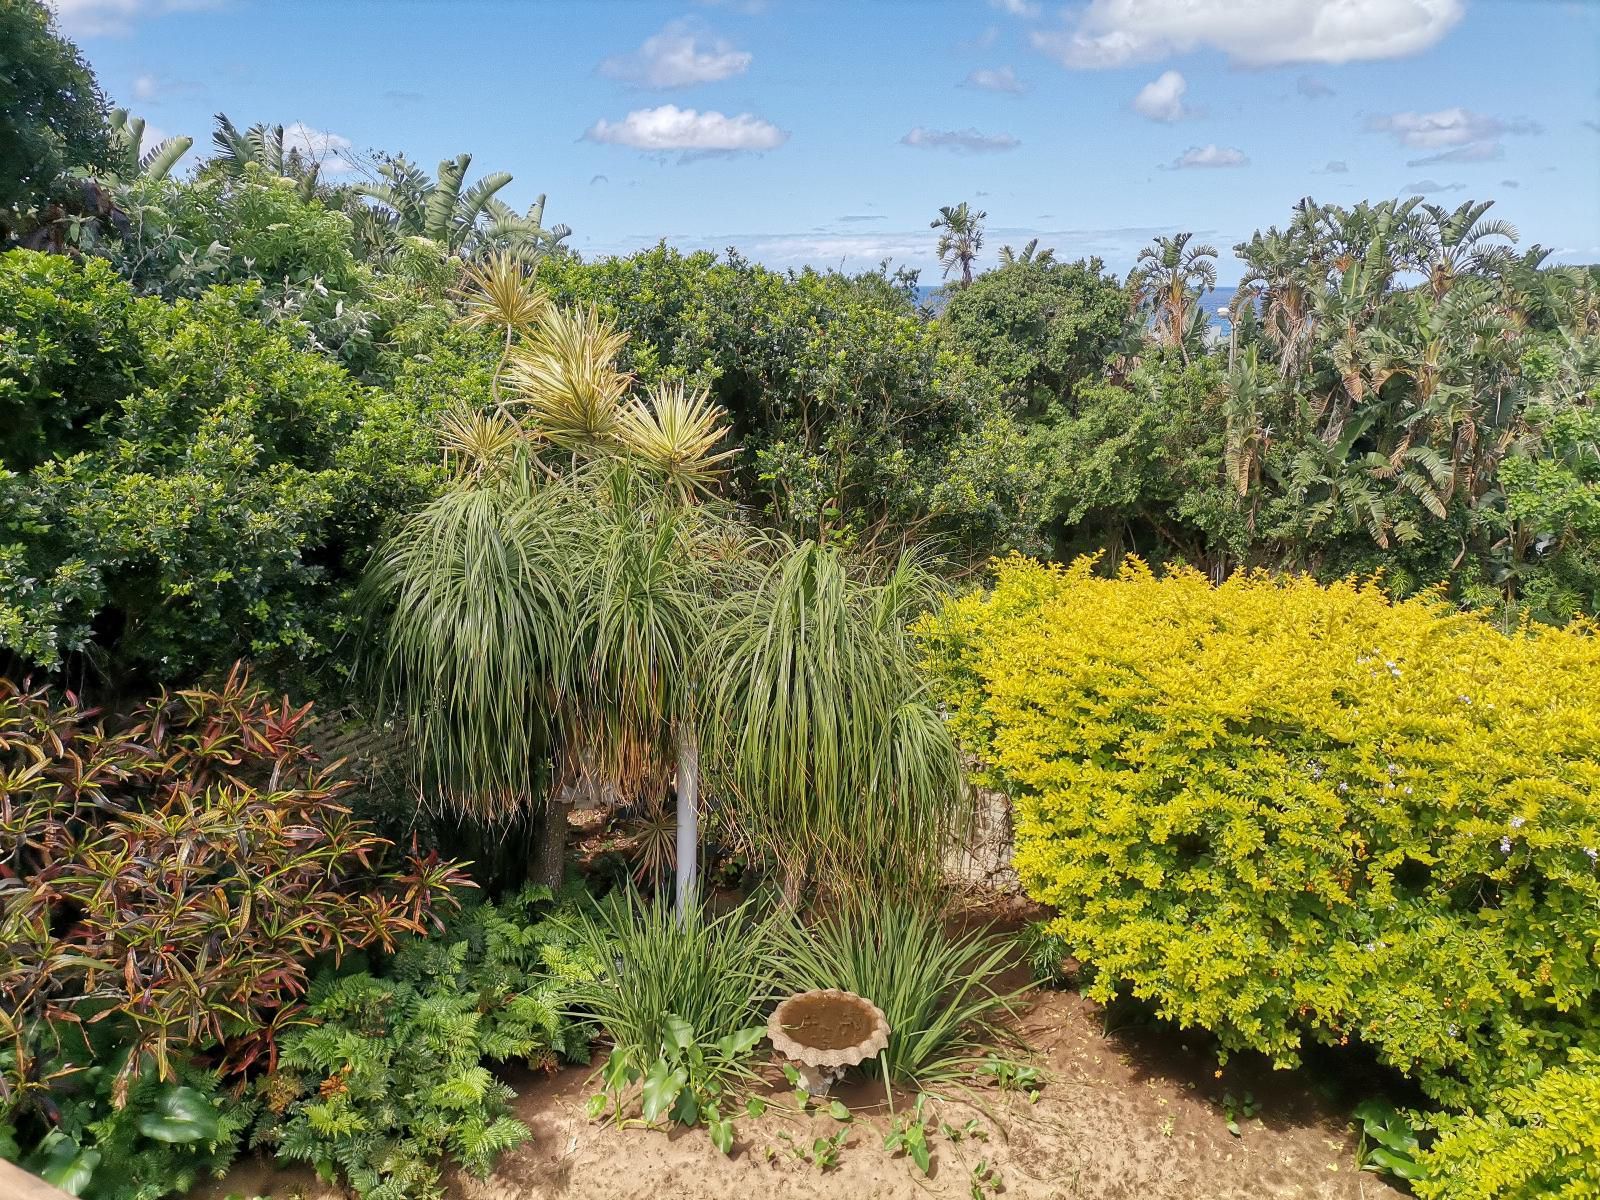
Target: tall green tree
[52,113]
[1173,277]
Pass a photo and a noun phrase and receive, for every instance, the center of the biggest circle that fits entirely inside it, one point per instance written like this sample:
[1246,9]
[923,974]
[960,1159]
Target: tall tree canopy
[52,113]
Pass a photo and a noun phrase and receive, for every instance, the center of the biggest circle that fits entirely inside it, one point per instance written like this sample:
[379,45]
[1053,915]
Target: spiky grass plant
[826,748]
[939,990]
[675,433]
[710,971]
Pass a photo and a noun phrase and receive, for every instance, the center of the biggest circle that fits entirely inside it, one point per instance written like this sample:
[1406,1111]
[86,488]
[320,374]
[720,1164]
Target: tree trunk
[688,789]
[549,849]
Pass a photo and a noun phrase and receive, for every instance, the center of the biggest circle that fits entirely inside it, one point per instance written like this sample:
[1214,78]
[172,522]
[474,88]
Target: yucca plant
[939,989]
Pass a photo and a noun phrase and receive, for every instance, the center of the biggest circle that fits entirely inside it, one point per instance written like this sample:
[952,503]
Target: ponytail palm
[474,630]
[827,750]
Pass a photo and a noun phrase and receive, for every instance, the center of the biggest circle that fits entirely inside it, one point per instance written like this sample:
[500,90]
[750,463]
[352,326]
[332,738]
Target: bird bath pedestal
[824,1032]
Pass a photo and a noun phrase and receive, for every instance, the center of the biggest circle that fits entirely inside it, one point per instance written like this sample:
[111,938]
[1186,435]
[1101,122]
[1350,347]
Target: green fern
[389,1080]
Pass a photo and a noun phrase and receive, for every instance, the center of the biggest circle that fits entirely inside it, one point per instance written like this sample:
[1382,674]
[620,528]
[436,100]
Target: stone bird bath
[823,1032]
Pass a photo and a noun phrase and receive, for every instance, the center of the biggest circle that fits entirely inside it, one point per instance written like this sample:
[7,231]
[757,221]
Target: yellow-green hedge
[1539,1141]
[1283,811]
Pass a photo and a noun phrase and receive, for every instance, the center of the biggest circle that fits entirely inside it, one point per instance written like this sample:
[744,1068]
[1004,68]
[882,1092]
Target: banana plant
[440,209]
[263,146]
[131,161]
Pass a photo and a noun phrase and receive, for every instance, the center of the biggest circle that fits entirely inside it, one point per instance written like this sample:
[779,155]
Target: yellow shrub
[1280,810]
[1539,1141]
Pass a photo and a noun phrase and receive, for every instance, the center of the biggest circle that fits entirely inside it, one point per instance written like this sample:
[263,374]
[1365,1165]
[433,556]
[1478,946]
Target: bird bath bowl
[824,1032]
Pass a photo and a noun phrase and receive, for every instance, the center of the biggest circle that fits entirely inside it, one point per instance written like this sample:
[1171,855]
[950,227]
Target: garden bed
[1133,1113]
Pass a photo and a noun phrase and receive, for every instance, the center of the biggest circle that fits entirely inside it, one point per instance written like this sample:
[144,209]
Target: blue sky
[812,132]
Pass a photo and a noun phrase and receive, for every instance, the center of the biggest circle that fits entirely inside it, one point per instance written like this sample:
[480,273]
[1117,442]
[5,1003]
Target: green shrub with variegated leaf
[391,1080]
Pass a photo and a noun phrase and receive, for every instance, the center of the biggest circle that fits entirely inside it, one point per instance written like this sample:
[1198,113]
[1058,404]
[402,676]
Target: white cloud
[1210,155]
[1447,127]
[1471,152]
[1027,9]
[670,128]
[1162,98]
[1424,186]
[1000,79]
[332,150]
[962,141]
[116,18]
[1454,135]
[1113,33]
[678,56]
[145,87]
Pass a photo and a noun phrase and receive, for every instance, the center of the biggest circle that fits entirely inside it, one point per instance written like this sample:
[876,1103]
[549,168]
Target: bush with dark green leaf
[391,1078]
[161,1140]
[1040,328]
[54,112]
[182,485]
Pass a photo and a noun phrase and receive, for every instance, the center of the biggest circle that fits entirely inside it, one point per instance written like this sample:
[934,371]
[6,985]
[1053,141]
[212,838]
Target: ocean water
[1221,298]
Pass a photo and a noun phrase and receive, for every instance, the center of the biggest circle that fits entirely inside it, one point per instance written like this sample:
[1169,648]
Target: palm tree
[131,161]
[1174,276]
[960,238]
[1028,254]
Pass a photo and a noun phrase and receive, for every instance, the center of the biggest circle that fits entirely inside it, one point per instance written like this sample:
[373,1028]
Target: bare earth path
[1132,1115]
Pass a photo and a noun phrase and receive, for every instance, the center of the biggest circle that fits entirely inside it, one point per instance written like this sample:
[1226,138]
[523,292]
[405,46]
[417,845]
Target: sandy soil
[1131,1114]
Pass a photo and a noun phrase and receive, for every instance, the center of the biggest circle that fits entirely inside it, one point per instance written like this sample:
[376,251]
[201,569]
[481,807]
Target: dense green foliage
[156,1138]
[639,526]
[52,115]
[1285,812]
[855,422]
[1042,329]
[183,485]
[389,1075]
